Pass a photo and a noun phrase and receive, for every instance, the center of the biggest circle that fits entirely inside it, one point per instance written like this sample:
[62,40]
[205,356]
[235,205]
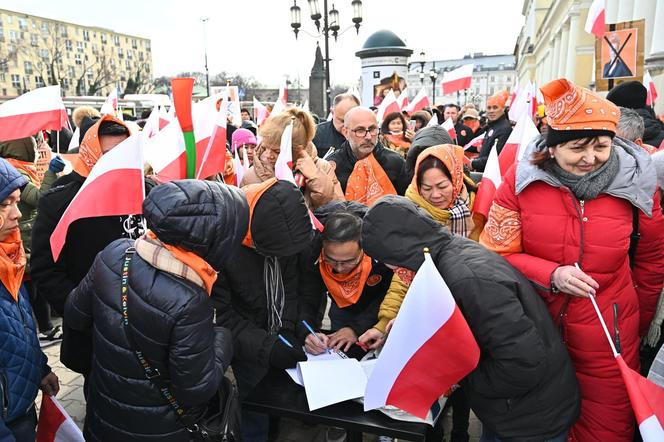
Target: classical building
[37,51]
[491,73]
[553,42]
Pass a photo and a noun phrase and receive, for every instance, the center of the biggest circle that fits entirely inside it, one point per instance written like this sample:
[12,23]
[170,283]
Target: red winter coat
[538,225]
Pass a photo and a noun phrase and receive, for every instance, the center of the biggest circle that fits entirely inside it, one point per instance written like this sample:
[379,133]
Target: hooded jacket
[280,227]
[499,130]
[524,386]
[170,317]
[22,362]
[424,138]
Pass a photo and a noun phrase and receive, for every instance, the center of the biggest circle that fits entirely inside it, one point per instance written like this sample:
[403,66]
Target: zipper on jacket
[615,327]
[5,394]
[582,220]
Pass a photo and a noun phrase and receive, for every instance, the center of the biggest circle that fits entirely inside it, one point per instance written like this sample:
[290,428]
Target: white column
[570,64]
[555,61]
[645,9]
[562,59]
[625,10]
[657,42]
[611,14]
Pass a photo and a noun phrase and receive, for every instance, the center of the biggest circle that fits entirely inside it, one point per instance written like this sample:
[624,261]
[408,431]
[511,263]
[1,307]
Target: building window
[86,35]
[130,54]
[68,45]
[491,90]
[95,49]
[27,66]
[16,80]
[134,44]
[4,91]
[2,77]
[10,19]
[43,53]
[116,39]
[103,38]
[44,27]
[77,59]
[128,64]
[79,46]
[120,53]
[71,71]
[39,81]
[140,56]
[13,36]
[34,40]
[22,24]
[65,83]
[34,24]
[63,30]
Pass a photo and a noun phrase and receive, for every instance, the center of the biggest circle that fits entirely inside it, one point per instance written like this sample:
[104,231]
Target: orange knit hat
[498,99]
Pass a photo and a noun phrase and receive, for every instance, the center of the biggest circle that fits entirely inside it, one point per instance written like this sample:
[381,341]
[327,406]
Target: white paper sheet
[295,374]
[328,382]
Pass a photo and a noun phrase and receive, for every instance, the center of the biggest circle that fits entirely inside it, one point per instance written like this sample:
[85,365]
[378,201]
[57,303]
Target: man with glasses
[328,133]
[355,283]
[365,168]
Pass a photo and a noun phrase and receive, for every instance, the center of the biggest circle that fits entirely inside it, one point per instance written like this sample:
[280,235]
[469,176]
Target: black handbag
[216,421]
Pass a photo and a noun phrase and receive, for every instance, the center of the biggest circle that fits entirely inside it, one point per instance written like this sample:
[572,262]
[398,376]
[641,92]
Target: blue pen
[311,330]
[285,341]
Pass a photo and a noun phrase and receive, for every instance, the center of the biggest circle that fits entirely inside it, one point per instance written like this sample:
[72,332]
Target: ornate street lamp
[296,21]
[433,75]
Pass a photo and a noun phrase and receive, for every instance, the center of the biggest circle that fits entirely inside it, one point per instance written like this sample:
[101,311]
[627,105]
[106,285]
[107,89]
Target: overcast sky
[254,37]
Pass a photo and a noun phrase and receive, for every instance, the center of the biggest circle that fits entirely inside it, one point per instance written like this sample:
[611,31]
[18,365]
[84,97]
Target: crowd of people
[214,276]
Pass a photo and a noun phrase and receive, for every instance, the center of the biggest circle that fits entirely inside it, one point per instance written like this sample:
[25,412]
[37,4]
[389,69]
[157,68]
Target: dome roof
[382,39]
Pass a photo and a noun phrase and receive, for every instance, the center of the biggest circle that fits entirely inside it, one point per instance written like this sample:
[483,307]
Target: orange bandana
[90,150]
[253,192]
[498,99]
[452,157]
[345,289]
[12,263]
[30,170]
[368,182]
[193,261]
[569,107]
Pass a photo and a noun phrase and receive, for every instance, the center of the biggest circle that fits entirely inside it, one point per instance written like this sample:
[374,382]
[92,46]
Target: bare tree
[139,80]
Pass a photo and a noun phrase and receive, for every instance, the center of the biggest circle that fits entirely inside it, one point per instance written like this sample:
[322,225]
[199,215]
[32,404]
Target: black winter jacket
[524,387]
[495,130]
[327,136]
[392,163]
[55,280]
[654,128]
[171,318]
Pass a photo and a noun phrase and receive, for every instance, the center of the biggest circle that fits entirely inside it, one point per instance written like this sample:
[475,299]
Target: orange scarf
[193,261]
[30,170]
[12,263]
[368,182]
[397,140]
[345,289]
[452,157]
[253,192]
[90,150]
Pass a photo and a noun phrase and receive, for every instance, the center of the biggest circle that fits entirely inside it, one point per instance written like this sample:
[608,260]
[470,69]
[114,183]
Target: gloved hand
[283,357]
[56,165]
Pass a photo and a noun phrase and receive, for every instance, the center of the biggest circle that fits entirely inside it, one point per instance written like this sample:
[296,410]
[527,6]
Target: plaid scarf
[152,251]
[460,216]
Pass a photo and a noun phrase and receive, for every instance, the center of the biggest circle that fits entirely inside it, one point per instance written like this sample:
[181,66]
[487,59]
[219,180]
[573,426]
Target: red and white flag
[260,112]
[448,125]
[429,349]
[433,121]
[523,133]
[283,168]
[239,169]
[55,424]
[214,156]
[515,90]
[282,101]
[39,109]
[166,117]
[596,23]
[419,102]
[119,168]
[402,99]
[647,400]
[488,185]
[75,139]
[525,102]
[475,142]
[458,79]
[387,106]
[151,127]
[110,106]
[650,86]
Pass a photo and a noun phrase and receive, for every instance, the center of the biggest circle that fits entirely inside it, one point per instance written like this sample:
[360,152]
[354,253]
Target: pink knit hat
[242,136]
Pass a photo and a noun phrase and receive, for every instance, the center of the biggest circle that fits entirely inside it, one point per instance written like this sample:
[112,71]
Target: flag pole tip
[426,250]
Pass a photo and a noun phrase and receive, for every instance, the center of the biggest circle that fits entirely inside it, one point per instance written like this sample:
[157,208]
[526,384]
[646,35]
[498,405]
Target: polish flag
[120,168]
[475,142]
[110,106]
[55,424]
[429,349]
[74,142]
[239,168]
[515,91]
[489,183]
[387,106]
[650,85]
[595,23]
[214,158]
[166,117]
[420,101]
[523,133]
[457,79]
[260,112]
[283,168]
[448,125]
[39,109]
[282,101]
[525,102]
[402,100]
[433,121]
[647,400]
[151,127]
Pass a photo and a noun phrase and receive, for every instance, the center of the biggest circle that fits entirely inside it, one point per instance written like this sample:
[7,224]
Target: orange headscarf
[30,170]
[253,192]
[90,150]
[452,157]
[498,99]
[345,288]
[368,182]
[12,263]
[569,107]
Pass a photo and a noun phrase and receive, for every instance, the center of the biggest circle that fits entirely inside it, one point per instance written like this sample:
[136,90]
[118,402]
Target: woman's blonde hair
[82,112]
[304,128]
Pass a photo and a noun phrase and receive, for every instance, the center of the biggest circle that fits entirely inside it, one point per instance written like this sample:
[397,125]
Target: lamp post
[207,72]
[433,75]
[422,62]
[330,26]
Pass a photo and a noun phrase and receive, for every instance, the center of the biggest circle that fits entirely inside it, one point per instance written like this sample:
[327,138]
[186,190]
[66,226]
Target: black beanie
[631,94]
[555,137]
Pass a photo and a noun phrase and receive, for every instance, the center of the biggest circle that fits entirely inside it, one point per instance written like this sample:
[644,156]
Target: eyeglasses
[346,262]
[362,131]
